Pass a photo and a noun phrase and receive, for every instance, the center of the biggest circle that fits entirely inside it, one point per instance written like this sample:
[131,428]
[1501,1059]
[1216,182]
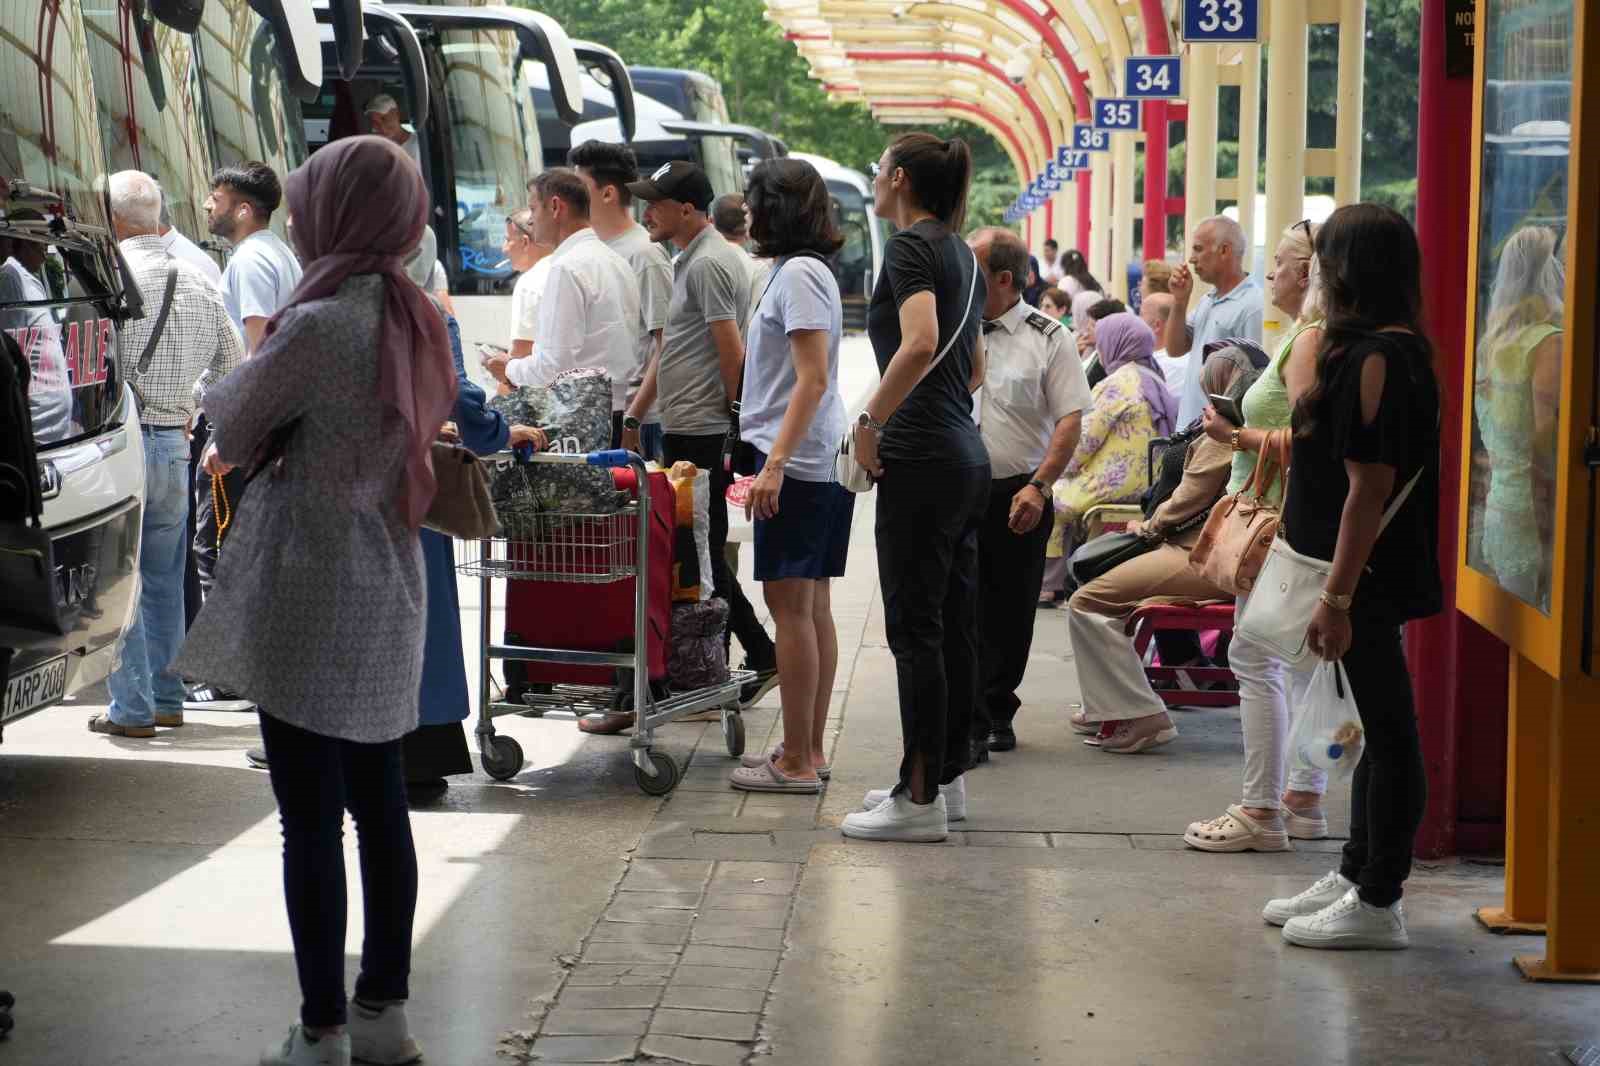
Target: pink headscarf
[359,206]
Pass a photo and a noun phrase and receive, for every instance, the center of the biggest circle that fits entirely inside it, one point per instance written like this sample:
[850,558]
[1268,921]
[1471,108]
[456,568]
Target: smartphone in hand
[1227,408]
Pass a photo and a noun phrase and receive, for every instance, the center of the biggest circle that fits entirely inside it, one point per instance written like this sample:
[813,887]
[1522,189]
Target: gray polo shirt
[1237,314]
[653,267]
[711,283]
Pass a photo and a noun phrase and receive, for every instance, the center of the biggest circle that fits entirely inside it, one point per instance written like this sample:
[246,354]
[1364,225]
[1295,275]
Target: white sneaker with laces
[298,1050]
[897,818]
[1328,889]
[1349,923]
[955,799]
[382,1037]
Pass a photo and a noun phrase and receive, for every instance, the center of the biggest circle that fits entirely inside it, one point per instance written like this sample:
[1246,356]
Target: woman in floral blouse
[1132,407]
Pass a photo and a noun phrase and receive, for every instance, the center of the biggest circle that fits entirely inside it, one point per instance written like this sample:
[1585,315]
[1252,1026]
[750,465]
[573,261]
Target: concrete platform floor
[565,917]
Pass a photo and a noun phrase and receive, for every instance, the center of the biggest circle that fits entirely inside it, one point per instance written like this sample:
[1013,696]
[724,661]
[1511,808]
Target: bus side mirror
[181,15]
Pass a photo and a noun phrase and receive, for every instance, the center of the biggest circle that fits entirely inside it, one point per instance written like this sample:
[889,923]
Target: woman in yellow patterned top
[1516,390]
[1131,407]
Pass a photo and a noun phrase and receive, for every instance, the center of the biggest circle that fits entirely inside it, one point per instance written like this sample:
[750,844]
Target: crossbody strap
[1399,501]
[161,320]
[965,317]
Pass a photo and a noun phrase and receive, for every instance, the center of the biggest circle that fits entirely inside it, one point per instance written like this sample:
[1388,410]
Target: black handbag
[30,609]
[1104,554]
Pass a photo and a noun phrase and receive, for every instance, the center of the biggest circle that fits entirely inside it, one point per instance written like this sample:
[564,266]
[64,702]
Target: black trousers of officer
[1011,572]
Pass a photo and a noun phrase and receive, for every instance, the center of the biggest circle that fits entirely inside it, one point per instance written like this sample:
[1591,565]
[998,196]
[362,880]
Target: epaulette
[1043,322]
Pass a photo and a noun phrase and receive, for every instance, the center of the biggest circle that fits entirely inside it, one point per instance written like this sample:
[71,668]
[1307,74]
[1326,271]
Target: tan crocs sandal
[756,759]
[102,723]
[1134,735]
[1236,831]
[1307,824]
[768,778]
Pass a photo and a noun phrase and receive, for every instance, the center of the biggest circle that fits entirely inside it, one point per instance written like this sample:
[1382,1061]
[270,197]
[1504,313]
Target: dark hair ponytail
[940,173]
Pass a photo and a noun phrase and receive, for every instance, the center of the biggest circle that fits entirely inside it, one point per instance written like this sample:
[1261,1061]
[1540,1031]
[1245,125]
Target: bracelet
[777,462]
[1337,602]
[1233,439]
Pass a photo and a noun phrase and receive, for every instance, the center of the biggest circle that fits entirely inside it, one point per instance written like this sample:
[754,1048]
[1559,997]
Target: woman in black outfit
[1366,436]
[917,438]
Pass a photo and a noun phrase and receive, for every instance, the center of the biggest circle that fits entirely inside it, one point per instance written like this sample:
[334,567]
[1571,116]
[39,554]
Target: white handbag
[1277,613]
[851,474]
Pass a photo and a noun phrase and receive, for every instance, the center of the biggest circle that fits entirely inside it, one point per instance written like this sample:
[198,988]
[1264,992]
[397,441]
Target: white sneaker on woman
[1349,923]
[955,799]
[1330,887]
[299,1050]
[897,818]
[382,1036]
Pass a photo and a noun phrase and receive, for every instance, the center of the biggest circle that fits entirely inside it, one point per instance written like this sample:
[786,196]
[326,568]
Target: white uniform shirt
[180,247]
[588,317]
[525,301]
[1034,380]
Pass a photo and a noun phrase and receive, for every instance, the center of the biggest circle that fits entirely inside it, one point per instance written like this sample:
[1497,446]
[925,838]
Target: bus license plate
[34,688]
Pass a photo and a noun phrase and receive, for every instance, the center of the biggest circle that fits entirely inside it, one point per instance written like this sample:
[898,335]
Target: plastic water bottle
[1322,751]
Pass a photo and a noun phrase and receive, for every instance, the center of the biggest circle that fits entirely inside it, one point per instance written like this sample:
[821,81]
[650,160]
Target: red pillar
[1050,217]
[1155,179]
[1460,670]
[1081,180]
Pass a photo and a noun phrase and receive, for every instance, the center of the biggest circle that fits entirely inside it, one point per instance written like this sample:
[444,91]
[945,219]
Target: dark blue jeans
[315,779]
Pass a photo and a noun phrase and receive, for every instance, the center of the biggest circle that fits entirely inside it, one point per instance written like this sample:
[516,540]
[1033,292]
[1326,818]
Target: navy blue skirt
[810,535]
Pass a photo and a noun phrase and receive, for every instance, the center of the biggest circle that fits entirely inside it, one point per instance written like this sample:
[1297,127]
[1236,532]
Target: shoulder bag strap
[1399,501]
[161,320]
[965,317]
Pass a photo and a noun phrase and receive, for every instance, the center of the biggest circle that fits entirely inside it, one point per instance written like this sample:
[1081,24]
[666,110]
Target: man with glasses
[1232,308]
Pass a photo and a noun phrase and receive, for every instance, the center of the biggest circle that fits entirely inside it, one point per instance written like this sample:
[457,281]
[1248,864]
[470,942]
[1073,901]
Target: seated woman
[1132,407]
[1115,689]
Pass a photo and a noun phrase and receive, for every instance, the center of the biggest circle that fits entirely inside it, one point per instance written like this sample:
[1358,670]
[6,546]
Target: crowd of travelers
[292,400]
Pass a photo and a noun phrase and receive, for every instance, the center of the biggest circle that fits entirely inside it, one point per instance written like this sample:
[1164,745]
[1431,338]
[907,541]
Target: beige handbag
[1237,536]
[461,504]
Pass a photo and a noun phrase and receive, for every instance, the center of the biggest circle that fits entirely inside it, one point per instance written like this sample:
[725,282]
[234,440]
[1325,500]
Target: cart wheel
[503,759]
[733,732]
[666,778]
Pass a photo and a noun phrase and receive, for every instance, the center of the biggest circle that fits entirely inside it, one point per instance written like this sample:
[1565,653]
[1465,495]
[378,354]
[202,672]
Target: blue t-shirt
[259,277]
[802,295]
[1237,314]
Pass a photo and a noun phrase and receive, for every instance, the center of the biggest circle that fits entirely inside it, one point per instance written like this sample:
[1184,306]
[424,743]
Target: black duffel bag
[1104,554]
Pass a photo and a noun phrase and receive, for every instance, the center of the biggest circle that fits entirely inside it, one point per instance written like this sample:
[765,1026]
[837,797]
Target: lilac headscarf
[1122,339]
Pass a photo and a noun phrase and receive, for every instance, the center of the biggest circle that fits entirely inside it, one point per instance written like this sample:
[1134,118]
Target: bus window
[164,142]
[48,134]
[496,150]
[251,114]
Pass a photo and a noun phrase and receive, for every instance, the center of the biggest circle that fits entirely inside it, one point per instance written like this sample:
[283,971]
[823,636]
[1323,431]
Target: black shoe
[980,753]
[256,757]
[1002,740]
[428,791]
[765,681]
[201,696]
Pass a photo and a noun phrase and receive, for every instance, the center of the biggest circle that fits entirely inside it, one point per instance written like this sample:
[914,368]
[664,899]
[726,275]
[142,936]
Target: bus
[857,264]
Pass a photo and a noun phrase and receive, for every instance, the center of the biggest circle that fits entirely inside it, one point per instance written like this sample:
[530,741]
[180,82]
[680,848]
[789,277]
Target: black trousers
[206,535]
[1011,572]
[927,533]
[315,779]
[705,452]
[1390,790]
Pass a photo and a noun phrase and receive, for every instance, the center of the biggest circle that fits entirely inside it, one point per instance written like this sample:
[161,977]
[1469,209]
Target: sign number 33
[1220,20]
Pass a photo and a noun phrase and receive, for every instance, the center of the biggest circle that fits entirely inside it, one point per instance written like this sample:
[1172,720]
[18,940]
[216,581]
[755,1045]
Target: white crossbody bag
[851,474]
[1278,611]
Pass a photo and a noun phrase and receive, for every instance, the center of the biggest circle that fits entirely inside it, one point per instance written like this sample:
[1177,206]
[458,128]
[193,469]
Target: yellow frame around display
[1552,643]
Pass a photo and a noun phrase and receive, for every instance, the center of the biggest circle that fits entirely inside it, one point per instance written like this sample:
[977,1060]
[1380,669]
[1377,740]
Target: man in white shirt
[180,247]
[589,310]
[383,115]
[1231,309]
[1155,309]
[1050,271]
[1034,396]
[607,169]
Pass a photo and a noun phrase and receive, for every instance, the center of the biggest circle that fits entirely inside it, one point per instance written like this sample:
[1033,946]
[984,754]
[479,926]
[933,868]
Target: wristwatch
[866,421]
[1044,490]
[629,422]
[1233,439]
[1337,602]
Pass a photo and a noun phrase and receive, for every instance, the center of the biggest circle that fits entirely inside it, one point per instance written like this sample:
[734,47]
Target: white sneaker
[382,1037]
[1328,889]
[299,1051]
[955,799]
[897,818]
[1349,923]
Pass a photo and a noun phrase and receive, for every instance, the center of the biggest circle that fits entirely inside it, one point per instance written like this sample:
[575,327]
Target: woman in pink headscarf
[320,592]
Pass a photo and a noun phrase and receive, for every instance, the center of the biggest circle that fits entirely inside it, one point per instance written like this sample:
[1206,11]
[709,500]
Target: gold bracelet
[1234,440]
[1337,602]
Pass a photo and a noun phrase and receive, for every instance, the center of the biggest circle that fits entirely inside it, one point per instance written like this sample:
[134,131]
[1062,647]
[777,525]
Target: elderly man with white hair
[1231,309]
[183,344]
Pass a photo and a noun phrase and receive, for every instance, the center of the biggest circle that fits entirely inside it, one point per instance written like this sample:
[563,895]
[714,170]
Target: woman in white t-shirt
[531,260]
[791,412]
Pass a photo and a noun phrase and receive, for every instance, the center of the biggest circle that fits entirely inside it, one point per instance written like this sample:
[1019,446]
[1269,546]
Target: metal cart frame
[617,548]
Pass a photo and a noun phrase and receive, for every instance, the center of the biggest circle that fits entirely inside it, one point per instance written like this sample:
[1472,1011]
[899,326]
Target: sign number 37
[1220,20]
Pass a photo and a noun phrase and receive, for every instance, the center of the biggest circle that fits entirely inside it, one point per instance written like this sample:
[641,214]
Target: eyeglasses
[874,169]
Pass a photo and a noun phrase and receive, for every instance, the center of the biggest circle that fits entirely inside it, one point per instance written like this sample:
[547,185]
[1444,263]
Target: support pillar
[1082,182]
[1100,204]
[1250,150]
[1123,153]
[1347,107]
[1155,179]
[1286,124]
[1200,141]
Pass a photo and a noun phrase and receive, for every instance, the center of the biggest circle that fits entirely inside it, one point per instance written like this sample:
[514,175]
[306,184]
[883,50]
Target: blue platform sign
[1116,114]
[1221,20]
[1072,159]
[1153,78]
[1049,185]
[1085,138]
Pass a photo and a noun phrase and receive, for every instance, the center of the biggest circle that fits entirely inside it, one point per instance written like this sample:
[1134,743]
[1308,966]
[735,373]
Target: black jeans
[315,779]
[1390,790]
[706,453]
[206,534]
[1011,569]
[927,532]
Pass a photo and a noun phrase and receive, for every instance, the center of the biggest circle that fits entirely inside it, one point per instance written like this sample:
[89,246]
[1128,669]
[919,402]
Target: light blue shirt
[259,278]
[1237,314]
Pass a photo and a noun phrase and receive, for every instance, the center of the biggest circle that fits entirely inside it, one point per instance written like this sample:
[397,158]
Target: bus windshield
[495,142]
[251,114]
[163,140]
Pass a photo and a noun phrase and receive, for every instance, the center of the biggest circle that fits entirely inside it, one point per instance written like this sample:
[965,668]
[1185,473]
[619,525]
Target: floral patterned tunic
[1111,463]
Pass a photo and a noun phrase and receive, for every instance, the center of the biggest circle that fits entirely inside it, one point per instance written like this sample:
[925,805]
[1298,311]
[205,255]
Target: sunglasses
[1306,222]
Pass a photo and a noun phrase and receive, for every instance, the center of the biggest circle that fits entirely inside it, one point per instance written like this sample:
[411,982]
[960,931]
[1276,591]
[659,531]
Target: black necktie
[990,327]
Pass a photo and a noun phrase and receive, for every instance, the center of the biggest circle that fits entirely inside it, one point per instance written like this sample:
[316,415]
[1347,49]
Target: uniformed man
[1034,396]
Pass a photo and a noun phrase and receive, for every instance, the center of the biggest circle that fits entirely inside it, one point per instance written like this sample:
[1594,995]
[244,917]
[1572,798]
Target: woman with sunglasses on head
[1364,495]
[1269,815]
[531,260]
[918,440]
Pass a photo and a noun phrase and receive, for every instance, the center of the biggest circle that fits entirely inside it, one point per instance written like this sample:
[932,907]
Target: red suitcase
[597,617]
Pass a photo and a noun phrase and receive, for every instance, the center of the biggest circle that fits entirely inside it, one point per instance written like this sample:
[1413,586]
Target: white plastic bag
[1327,734]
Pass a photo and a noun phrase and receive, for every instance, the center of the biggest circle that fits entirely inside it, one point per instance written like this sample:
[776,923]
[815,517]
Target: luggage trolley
[569,548]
